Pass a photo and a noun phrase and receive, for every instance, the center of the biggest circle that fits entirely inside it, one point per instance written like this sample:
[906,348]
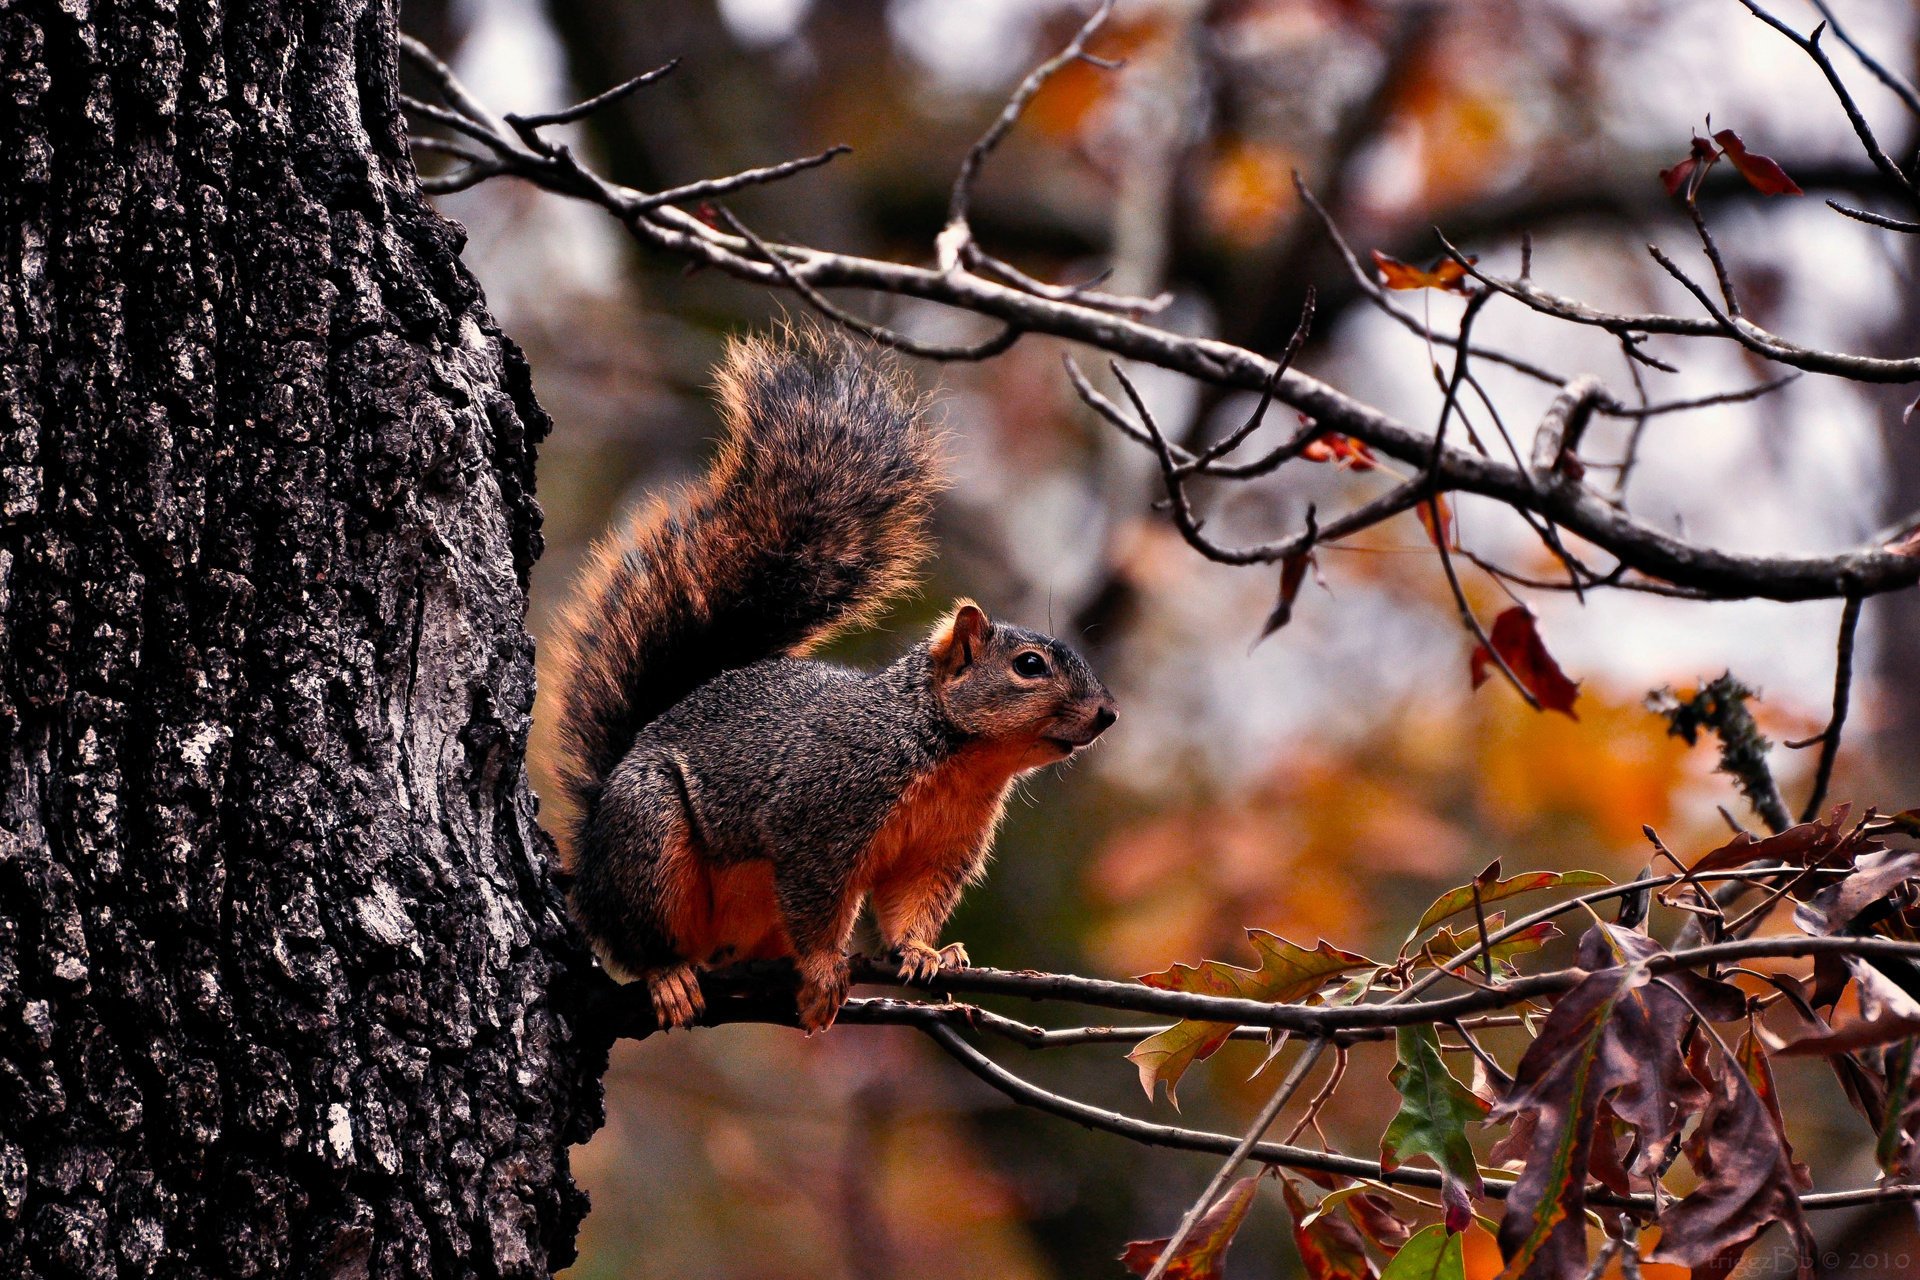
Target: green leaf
[1434,1254]
[1286,974]
[1492,889]
[1435,1110]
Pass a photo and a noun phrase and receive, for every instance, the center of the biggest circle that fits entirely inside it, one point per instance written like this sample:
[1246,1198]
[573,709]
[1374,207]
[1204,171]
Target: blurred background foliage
[1333,779]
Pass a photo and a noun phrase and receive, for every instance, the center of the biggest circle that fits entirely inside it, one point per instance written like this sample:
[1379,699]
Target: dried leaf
[1613,1038]
[1286,973]
[1517,640]
[1493,889]
[1753,1061]
[1763,173]
[1808,844]
[1434,1254]
[1877,875]
[1373,1214]
[1747,1185]
[1869,1033]
[1435,1110]
[1329,1247]
[1447,273]
[1204,1252]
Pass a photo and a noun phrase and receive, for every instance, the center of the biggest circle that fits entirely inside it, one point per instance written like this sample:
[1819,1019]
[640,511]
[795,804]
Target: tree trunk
[284,986]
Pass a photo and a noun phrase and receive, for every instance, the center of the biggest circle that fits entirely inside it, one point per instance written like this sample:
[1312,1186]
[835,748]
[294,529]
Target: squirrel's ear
[957,639]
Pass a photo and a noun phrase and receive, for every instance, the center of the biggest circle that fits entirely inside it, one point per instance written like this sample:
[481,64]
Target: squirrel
[738,799]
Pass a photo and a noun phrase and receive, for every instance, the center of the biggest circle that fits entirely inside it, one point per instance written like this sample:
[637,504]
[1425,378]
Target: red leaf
[1517,641]
[1447,273]
[1701,153]
[1293,572]
[1763,173]
[1204,1251]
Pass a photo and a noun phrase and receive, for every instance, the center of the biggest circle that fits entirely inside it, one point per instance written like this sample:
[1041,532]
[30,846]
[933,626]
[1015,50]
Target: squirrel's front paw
[823,989]
[675,992]
[921,963]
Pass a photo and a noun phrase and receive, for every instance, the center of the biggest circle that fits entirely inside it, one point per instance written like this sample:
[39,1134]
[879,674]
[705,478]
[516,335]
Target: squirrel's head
[1015,686]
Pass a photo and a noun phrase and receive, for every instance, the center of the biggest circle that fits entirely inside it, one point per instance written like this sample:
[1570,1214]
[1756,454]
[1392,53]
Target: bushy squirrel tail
[815,512]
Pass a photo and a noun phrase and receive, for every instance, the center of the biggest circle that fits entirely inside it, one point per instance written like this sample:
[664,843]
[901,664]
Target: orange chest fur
[944,817]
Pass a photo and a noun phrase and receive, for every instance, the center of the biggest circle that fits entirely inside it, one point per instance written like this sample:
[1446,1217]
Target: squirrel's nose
[1102,718]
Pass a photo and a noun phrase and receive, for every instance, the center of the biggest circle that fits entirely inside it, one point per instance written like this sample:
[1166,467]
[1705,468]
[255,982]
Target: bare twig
[1238,1156]
[1810,45]
[598,102]
[1727,294]
[1901,88]
[1842,687]
[956,235]
[1008,335]
[1406,319]
[1875,219]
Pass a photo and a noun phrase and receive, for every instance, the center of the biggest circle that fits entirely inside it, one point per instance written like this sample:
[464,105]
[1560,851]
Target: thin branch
[1437,526]
[1238,1156]
[1875,219]
[1645,549]
[1842,687]
[993,346]
[938,1022]
[1406,319]
[1897,83]
[1810,45]
[1227,444]
[598,102]
[1614,409]
[956,235]
[734,182]
[1743,331]
[1725,281]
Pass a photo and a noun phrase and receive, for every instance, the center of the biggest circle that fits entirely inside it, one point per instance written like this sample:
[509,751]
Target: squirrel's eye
[1031,665]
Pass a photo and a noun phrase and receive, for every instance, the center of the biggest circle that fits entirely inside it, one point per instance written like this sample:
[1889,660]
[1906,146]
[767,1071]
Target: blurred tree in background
[1333,779]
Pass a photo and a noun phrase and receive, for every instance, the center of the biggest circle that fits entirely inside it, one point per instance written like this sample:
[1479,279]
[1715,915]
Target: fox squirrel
[739,800]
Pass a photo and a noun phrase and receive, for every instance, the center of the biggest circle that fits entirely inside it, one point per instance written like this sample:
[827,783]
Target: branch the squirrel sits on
[740,800]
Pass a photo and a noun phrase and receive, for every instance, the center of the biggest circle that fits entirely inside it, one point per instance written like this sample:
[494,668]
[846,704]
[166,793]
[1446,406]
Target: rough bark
[282,976]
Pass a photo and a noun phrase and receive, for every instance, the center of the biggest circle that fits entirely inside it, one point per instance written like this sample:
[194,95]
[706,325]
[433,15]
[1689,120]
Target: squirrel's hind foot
[920,963]
[677,1001]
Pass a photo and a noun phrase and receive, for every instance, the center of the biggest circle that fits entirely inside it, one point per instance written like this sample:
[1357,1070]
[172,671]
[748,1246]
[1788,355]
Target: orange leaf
[1286,973]
[1447,273]
[1517,641]
[1204,1251]
[1345,450]
[1762,172]
[1436,517]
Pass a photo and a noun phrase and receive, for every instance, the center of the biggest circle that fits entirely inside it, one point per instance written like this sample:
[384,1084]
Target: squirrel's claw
[675,992]
[920,963]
